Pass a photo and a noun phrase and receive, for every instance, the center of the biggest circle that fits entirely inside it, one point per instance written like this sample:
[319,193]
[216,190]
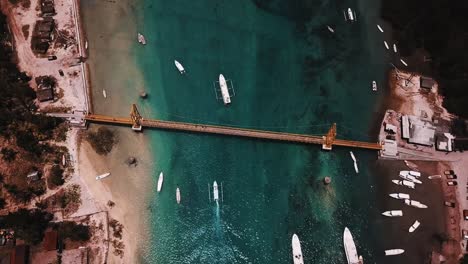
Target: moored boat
[415,204]
[179,67]
[404,62]
[412,173]
[392,252]
[355,162]
[330,29]
[380,28]
[350,248]
[399,196]
[414,226]
[350,15]
[374,86]
[395,48]
[404,183]
[410,178]
[434,177]
[102,176]
[160,181]
[386,44]
[224,90]
[141,39]
[393,213]
[296,250]
[215,192]
[178,195]
[104,93]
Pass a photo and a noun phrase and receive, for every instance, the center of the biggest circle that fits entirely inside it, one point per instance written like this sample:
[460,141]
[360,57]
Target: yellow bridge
[137,122]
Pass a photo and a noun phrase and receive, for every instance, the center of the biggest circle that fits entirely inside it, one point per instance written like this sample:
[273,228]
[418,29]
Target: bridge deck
[232,131]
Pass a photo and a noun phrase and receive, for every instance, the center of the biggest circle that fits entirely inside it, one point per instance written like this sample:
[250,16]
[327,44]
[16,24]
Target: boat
[399,196]
[414,226]
[410,178]
[141,39]
[392,252]
[411,165]
[352,156]
[296,250]
[330,29]
[393,213]
[160,181]
[64,162]
[434,177]
[86,45]
[380,28]
[404,183]
[404,62]
[350,248]
[395,48]
[386,44]
[224,90]
[104,93]
[177,194]
[215,192]
[102,176]
[374,86]
[179,67]
[415,204]
[350,15]
[412,173]
[355,162]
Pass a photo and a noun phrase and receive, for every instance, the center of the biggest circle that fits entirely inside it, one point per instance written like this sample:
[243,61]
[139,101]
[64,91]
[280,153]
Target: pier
[137,123]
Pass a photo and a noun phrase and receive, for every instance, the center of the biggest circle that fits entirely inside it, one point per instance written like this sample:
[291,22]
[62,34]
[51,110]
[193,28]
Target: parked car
[451,176]
[452,183]
[447,172]
[449,204]
[51,58]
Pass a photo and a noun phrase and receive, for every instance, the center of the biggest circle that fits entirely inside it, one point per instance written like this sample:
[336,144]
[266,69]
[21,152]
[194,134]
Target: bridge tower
[136,118]
[329,138]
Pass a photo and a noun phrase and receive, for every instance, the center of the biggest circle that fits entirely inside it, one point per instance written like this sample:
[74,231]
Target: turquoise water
[289,74]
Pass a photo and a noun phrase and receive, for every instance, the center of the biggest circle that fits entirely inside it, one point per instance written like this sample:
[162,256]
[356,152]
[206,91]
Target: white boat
[393,213]
[404,183]
[392,252]
[412,173]
[399,196]
[404,62]
[296,250]
[160,181]
[104,93]
[414,226]
[434,177]
[352,156]
[102,176]
[141,39]
[86,45]
[350,15]
[386,44]
[415,204]
[177,194]
[215,192]
[374,86]
[224,90]
[350,248]
[380,28]
[64,162]
[411,165]
[179,67]
[355,162]
[331,29]
[410,178]
[395,48]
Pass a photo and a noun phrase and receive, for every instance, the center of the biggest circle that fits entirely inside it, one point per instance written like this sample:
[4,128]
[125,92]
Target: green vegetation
[102,140]
[8,154]
[28,224]
[74,231]
[56,176]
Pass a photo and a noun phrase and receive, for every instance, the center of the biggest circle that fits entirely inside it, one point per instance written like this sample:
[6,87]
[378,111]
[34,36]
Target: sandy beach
[127,186]
[404,96]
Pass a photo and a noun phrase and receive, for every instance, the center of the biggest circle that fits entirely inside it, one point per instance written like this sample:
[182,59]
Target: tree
[56,176]
[8,154]
[2,203]
[28,224]
[74,231]
[102,140]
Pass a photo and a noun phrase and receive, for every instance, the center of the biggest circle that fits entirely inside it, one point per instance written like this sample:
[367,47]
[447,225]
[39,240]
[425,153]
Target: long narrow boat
[399,196]
[393,213]
[392,252]
[410,178]
[416,174]
[415,204]
[102,176]
[380,28]
[350,248]
[104,93]
[160,181]
[296,250]
[178,195]
[330,29]
[414,226]
[404,183]
[395,48]
[386,45]
[179,67]
[141,39]
[355,161]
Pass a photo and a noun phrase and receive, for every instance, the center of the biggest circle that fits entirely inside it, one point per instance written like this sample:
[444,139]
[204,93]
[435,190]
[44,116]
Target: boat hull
[350,247]
[393,252]
[160,181]
[296,250]
[224,90]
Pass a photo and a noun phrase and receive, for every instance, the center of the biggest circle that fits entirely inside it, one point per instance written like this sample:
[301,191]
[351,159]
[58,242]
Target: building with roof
[417,130]
[426,83]
[445,142]
[390,148]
